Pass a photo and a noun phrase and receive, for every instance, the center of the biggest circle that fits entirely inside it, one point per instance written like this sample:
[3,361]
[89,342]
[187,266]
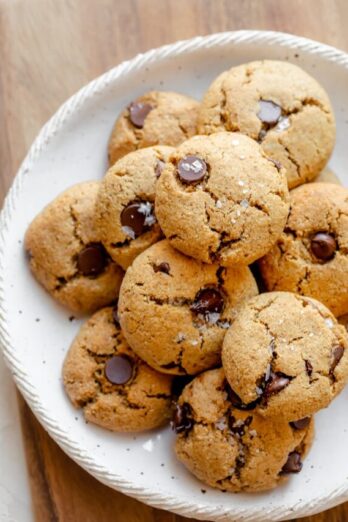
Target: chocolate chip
[138,112]
[301,424]
[323,246]
[162,267]
[337,354]
[119,369]
[159,168]
[237,402]
[137,217]
[208,301]
[115,315]
[293,464]
[309,368]
[276,383]
[269,112]
[191,169]
[92,260]
[182,419]
[238,426]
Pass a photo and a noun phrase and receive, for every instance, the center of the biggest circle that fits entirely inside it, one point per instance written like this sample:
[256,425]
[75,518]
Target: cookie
[231,449]
[125,214]
[285,355]
[174,310]
[156,118]
[220,199]
[311,255]
[66,255]
[279,105]
[104,377]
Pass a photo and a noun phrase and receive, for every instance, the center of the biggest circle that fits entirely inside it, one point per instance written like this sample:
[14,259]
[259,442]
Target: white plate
[35,332]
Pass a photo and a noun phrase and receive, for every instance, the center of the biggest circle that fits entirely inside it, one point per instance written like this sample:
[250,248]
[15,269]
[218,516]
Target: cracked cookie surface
[174,310]
[104,377]
[219,198]
[311,255]
[285,355]
[278,104]
[231,449]
[125,211]
[66,255]
[156,118]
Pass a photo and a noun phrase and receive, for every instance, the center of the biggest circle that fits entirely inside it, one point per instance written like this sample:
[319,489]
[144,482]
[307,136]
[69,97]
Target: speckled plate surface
[35,332]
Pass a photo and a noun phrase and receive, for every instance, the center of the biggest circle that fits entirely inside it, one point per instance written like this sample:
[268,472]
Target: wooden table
[48,50]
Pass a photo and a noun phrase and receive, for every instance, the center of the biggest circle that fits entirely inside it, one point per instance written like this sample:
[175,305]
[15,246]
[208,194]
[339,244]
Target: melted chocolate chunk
[179,384]
[276,383]
[119,369]
[92,260]
[137,217]
[208,301]
[191,169]
[337,354]
[182,419]
[162,267]
[269,112]
[301,424]
[323,246]
[293,464]
[138,112]
[309,368]
[159,167]
[237,402]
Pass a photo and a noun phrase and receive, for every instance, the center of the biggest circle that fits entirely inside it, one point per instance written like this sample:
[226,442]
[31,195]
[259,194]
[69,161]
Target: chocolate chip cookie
[156,118]
[279,105]
[285,355]
[104,377]
[125,214]
[66,255]
[232,449]
[174,310]
[311,255]
[220,199]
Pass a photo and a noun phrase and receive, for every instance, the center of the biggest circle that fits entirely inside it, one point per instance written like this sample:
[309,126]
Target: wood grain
[48,50]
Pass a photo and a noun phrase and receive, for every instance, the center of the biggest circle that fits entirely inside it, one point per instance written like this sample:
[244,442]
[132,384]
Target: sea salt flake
[329,323]
[231,471]
[194,342]
[259,390]
[196,166]
[180,337]
[253,433]
[283,124]
[245,191]
[268,372]
[150,220]
[128,231]
[221,424]
[145,208]
[233,221]
[242,157]
[244,203]
[311,334]
[224,324]
[212,317]
[235,142]
[218,204]
[238,213]
[241,183]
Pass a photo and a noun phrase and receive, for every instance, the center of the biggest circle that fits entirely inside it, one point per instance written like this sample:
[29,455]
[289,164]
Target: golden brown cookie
[155,118]
[125,214]
[104,377]
[174,310]
[220,199]
[282,107]
[231,449]
[286,355]
[311,256]
[66,255]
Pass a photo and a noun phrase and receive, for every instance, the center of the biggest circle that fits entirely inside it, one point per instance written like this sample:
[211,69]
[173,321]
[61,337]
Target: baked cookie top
[281,106]
[311,255]
[286,355]
[66,255]
[155,118]
[104,377]
[220,199]
[125,213]
[231,449]
[174,310]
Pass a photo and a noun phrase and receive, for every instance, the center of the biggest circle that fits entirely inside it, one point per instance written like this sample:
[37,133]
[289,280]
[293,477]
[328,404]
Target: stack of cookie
[215,291]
